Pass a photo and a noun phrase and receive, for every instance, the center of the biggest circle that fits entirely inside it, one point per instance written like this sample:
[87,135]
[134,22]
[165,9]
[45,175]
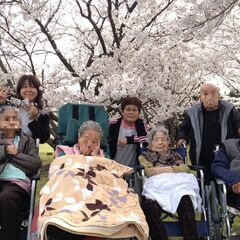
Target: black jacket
[40,128]
[114,132]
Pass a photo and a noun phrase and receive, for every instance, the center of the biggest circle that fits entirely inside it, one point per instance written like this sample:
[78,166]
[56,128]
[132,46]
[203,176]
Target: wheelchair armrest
[138,168]
[196,167]
[219,181]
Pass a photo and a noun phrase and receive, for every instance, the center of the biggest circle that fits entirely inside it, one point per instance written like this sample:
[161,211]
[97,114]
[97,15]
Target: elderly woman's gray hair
[90,125]
[156,129]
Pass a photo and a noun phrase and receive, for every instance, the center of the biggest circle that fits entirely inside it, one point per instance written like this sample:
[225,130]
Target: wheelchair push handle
[182,150]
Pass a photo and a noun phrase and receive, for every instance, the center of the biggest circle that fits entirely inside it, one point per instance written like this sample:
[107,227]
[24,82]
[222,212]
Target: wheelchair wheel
[215,212]
[225,216]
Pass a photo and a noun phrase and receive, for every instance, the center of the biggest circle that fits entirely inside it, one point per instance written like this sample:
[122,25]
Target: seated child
[18,161]
[89,137]
[226,165]
[167,172]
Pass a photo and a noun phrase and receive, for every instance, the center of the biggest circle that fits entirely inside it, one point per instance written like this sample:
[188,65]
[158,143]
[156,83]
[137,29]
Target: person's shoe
[234,237]
[233,211]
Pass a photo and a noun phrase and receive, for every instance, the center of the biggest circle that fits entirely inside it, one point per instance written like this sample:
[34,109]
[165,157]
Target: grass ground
[46,155]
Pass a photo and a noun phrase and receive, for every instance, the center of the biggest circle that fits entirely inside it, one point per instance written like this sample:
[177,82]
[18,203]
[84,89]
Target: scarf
[157,158]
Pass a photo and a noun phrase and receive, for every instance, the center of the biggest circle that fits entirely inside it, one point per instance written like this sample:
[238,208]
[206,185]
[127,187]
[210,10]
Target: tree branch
[156,15]
[115,36]
[54,13]
[3,68]
[230,6]
[54,46]
[89,18]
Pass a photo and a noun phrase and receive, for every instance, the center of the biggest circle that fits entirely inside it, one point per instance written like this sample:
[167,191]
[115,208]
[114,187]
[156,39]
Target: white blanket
[168,189]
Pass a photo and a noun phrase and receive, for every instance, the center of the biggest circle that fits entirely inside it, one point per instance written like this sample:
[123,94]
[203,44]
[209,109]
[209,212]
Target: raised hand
[122,141]
[32,112]
[12,149]
[181,142]
[236,188]
[96,151]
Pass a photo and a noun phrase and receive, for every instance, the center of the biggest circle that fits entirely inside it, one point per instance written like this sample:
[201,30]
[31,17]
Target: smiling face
[209,96]
[130,113]
[28,91]
[160,143]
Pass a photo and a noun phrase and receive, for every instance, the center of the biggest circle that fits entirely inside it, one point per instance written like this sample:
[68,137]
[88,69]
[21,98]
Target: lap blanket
[88,196]
[168,189]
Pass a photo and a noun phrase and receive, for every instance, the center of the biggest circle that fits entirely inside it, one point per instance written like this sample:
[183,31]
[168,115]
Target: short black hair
[131,101]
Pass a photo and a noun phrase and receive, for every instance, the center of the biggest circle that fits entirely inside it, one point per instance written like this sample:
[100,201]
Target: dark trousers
[233,199]
[55,233]
[186,215]
[12,201]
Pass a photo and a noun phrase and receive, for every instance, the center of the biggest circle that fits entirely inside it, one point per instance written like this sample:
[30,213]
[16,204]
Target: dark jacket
[114,132]
[26,159]
[191,127]
[221,165]
[40,128]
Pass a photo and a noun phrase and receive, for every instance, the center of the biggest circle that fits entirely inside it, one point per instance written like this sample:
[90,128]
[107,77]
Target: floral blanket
[88,196]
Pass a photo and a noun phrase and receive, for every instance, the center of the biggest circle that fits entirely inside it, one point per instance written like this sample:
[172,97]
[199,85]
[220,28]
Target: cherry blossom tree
[100,51]
[223,52]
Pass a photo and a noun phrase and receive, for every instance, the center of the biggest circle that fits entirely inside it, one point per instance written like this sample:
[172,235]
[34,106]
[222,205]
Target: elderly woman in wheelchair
[86,196]
[168,188]
[89,137]
[19,160]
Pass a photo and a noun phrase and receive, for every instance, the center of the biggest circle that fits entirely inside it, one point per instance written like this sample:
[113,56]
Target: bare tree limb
[57,51]
[132,7]
[30,59]
[89,18]
[3,68]
[54,13]
[221,13]
[156,15]
[115,36]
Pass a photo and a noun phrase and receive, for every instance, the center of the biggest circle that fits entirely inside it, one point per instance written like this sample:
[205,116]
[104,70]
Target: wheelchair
[225,214]
[70,118]
[28,209]
[225,210]
[208,223]
[27,216]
